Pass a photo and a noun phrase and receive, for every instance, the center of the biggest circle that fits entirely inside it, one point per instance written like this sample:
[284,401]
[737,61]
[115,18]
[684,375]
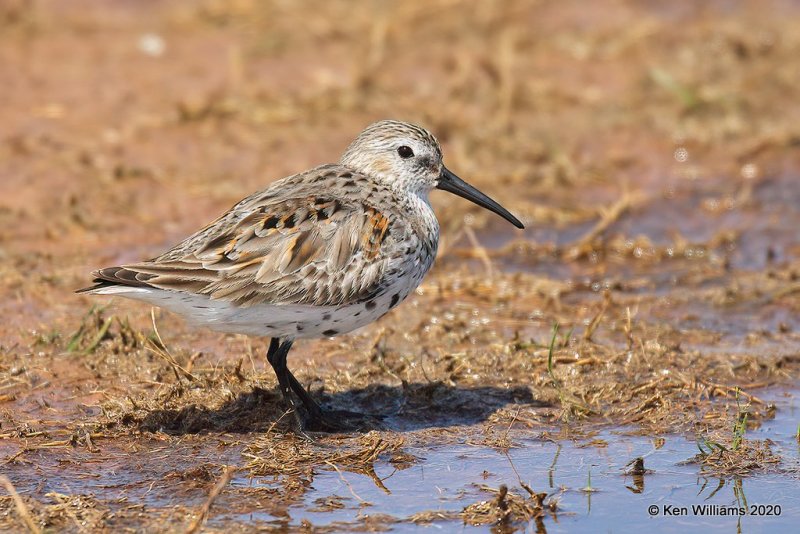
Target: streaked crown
[397,153]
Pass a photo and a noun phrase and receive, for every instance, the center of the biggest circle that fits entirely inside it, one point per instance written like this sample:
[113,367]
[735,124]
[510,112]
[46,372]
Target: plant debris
[654,292]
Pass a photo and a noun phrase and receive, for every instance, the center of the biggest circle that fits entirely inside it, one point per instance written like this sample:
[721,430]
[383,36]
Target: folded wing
[312,249]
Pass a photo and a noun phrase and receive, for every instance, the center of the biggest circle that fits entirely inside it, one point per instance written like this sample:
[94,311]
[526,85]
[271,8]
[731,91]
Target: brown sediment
[659,188]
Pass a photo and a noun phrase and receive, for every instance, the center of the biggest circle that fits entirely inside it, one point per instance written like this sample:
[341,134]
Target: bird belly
[270,320]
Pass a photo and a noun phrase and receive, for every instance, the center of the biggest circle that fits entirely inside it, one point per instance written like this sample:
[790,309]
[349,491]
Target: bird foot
[341,421]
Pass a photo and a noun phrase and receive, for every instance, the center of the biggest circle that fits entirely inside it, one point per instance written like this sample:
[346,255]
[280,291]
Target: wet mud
[637,345]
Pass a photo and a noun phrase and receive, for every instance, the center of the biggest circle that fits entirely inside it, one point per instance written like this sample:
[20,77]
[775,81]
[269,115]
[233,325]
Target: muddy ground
[653,152]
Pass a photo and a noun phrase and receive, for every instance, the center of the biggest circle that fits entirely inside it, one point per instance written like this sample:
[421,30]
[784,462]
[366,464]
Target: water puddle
[588,480]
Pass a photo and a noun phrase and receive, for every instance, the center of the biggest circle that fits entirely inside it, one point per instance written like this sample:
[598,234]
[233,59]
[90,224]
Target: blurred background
[125,125]
[629,135]
[651,148]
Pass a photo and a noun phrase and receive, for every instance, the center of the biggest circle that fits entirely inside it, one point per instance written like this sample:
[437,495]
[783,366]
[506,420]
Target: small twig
[198,354]
[513,420]
[64,501]
[595,322]
[163,352]
[608,217]
[727,391]
[522,484]
[446,244]
[22,510]
[223,481]
[346,483]
[480,251]
[788,290]
[275,423]
[13,458]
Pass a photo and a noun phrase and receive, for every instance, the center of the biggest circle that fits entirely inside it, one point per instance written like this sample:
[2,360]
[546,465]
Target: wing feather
[302,249]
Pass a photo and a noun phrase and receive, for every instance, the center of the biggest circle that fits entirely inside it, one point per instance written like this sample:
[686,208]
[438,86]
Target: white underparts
[295,321]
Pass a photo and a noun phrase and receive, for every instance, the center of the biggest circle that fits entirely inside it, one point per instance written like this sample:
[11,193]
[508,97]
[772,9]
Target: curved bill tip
[453,184]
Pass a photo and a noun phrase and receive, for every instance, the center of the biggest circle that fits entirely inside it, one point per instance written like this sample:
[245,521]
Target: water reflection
[591,488]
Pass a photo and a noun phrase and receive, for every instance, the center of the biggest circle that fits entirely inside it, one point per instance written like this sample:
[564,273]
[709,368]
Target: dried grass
[668,325]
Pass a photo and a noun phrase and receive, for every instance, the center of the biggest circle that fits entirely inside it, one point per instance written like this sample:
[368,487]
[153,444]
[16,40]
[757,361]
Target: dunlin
[316,254]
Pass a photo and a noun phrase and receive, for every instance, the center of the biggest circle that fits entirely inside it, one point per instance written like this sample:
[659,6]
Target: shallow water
[587,479]
[101,169]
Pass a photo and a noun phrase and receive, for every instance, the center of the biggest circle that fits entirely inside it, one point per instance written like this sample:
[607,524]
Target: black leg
[311,406]
[317,419]
[276,356]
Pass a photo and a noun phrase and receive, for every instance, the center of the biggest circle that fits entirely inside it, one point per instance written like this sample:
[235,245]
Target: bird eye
[405,152]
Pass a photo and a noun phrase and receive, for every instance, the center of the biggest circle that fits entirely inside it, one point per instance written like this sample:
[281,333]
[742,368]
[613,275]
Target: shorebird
[316,254]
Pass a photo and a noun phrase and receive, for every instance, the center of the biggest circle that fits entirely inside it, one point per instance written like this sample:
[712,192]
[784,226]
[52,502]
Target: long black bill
[452,183]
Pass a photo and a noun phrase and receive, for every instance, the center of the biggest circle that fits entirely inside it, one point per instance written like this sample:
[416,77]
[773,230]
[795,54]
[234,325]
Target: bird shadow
[403,408]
